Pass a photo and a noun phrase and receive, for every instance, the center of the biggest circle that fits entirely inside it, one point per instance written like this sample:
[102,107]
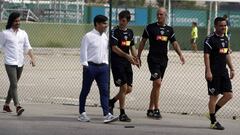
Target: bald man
[159,34]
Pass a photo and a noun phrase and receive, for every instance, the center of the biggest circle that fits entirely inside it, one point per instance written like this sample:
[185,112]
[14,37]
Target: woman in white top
[14,43]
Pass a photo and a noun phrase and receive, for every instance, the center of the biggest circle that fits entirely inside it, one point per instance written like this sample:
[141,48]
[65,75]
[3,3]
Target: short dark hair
[12,17]
[99,19]
[194,23]
[218,19]
[125,14]
[225,16]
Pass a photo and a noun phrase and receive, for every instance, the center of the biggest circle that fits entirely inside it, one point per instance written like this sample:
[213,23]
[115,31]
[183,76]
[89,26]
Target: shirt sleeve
[207,45]
[172,37]
[83,51]
[113,39]
[26,45]
[145,33]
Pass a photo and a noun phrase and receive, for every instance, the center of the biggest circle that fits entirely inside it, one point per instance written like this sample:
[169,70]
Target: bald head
[162,9]
[161,15]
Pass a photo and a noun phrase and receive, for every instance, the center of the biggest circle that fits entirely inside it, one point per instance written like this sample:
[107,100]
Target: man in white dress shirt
[94,58]
[14,43]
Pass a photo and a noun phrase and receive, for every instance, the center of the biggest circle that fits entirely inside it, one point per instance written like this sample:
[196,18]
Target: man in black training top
[158,34]
[216,56]
[121,42]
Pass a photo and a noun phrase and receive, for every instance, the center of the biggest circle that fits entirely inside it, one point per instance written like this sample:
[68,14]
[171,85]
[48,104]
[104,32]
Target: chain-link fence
[56,27]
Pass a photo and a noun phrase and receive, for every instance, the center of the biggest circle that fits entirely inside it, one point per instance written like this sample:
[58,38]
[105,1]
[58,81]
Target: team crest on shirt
[162,38]
[223,44]
[125,42]
[125,37]
[162,32]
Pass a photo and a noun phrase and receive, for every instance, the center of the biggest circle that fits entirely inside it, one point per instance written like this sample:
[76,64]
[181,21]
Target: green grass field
[70,35]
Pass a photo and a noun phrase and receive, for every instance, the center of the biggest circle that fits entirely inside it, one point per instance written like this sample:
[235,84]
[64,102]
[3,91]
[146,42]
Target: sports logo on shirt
[223,50]
[162,32]
[223,44]
[162,38]
[125,43]
[125,37]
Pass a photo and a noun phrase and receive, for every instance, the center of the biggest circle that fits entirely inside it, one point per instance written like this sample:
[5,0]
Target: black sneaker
[216,126]
[7,109]
[19,110]
[150,114]
[156,114]
[124,118]
[111,106]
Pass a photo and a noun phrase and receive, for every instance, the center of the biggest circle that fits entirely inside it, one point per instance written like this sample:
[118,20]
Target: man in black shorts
[158,34]
[121,42]
[216,56]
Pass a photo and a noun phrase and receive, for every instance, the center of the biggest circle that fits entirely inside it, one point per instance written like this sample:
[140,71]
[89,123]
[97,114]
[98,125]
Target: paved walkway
[52,119]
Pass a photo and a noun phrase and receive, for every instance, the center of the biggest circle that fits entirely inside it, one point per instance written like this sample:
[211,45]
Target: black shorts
[122,74]
[219,85]
[157,70]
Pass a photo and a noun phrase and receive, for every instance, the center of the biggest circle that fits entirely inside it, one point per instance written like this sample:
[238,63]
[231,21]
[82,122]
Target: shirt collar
[161,26]
[122,29]
[219,35]
[97,32]
[11,29]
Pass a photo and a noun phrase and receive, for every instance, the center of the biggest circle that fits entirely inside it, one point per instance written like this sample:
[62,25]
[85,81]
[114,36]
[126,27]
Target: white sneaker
[83,117]
[110,118]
